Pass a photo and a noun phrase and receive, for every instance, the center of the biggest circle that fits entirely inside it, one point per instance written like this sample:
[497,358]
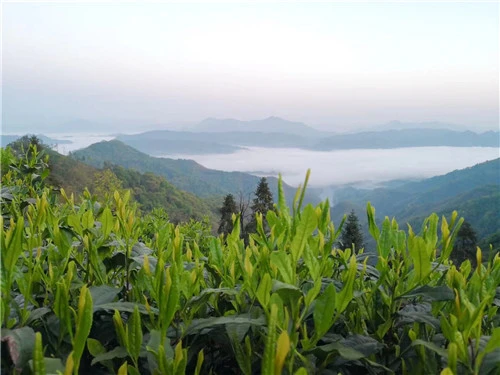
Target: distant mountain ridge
[409,138]
[228,136]
[268,125]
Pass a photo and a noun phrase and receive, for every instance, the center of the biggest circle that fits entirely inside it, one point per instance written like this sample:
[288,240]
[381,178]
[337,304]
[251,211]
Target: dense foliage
[227,211]
[261,204]
[473,192]
[90,287]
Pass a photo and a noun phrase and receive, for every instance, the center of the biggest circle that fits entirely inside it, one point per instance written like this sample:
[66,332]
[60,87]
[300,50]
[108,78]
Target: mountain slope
[474,192]
[479,206]
[149,190]
[434,190]
[184,174]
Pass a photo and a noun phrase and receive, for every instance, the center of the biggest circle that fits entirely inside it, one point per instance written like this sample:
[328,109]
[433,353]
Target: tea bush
[96,288]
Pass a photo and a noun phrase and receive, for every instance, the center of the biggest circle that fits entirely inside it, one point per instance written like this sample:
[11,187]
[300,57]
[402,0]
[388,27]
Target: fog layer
[347,166]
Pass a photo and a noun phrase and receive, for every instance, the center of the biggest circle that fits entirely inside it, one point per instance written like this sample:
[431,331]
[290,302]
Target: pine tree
[262,203]
[227,210]
[351,233]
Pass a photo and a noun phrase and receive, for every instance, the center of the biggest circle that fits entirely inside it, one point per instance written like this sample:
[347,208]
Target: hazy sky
[332,65]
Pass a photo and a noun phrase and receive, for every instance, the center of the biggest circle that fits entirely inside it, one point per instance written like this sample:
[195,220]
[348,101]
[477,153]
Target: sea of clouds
[347,166]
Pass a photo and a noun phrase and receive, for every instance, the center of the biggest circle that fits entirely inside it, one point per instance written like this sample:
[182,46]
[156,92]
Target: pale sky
[331,65]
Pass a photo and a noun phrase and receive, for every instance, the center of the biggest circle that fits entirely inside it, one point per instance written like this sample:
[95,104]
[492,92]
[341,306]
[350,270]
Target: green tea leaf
[418,251]
[431,293]
[126,307]
[107,223]
[84,323]
[95,347]
[324,310]
[385,241]
[263,292]
[270,346]
[13,248]
[214,322]
[38,359]
[88,220]
[346,294]
[344,351]
[431,346]
[118,352]
[284,264]
[135,335]
[305,228]
[103,294]
[283,209]
[374,231]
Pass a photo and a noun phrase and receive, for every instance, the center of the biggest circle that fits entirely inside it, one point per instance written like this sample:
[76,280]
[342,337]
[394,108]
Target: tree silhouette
[351,236]
[262,203]
[227,210]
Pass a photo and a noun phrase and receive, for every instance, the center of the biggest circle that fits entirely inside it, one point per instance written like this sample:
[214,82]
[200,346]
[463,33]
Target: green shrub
[90,288]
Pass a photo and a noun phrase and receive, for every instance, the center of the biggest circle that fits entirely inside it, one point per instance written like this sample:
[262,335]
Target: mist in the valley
[364,168]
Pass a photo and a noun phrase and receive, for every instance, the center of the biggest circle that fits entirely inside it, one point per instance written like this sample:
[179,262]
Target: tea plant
[96,288]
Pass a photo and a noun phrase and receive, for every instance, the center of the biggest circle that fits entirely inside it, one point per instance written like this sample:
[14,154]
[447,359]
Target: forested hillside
[474,192]
[150,191]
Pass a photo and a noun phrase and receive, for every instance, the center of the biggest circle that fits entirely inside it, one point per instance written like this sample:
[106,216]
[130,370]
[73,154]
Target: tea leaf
[270,346]
[282,349]
[95,347]
[38,359]
[324,310]
[118,352]
[306,226]
[431,293]
[134,335]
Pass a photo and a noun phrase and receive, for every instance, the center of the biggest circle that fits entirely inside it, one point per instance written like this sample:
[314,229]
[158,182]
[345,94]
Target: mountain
[184,174]
[161,142]
[479,206]
[268,125]
[409,138]
[474,192]
[229,136]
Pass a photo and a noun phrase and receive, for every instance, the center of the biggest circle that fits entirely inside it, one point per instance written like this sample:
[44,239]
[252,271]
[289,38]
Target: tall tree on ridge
[262,203]
[228,209]
[351,236]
